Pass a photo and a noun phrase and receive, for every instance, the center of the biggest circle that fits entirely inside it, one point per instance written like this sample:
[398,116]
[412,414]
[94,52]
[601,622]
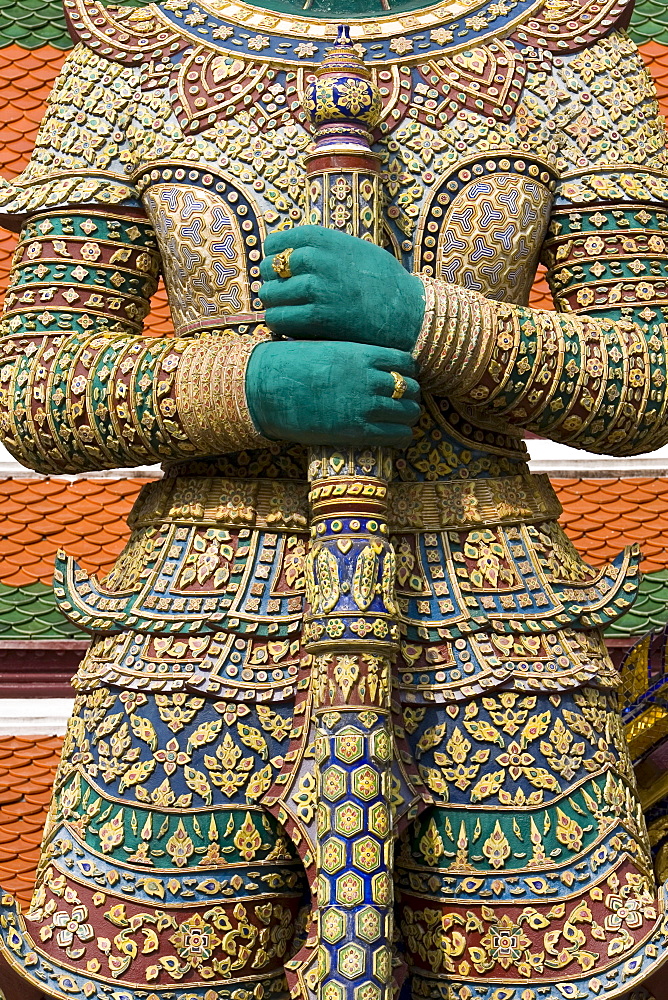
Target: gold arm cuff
[211,394]
[455,505]
[456,337]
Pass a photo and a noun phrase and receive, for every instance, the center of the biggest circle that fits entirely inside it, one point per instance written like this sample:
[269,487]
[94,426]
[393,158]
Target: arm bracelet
[211,394]
[456,338]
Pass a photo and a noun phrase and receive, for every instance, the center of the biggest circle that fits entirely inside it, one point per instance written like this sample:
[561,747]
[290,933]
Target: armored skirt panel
[182,835]
[187,828]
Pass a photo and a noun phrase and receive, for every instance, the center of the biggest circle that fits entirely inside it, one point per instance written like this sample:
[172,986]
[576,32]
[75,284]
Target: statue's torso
[472,208]
[473,154]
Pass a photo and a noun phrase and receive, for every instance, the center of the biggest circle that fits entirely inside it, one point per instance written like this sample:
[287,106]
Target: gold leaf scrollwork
[309,579]
[364,577]
[327,589]
[388,583]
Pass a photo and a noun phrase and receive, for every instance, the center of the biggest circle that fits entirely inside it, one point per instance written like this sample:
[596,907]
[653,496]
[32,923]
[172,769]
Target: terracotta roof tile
[37,517]
[540,297]
[22,816]
[25,81]
[603,515]
[8,796]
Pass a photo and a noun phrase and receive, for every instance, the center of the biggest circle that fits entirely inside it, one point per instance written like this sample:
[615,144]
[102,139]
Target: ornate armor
[182,835]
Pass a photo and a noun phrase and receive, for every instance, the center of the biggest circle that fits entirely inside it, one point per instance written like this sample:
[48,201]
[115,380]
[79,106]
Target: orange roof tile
[603,515]
[37,517]
[540,297]
[24,807]
[26,77]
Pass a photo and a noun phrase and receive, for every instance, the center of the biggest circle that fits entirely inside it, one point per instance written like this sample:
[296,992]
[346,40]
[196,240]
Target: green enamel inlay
[30,612]
[558,832]
[650,22]
[106,276]
[649,611]
[33,23]
[90,226]
[119,830]
[598,221]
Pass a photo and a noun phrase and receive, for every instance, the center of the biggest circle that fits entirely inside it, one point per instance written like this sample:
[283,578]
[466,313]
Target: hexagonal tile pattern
[334,782]
[321,749]
[381,889]
[379,819]
[382,963]
[333,991]
[351,961]
[367,991]
[333,855]
[349,889]
[365,782]
[368,924]
[333,924]
[381,746]
[348,819]
[366,854]
[348,747]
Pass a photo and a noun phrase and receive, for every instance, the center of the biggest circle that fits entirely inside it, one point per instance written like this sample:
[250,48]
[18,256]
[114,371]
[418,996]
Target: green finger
[291,292]
[396,411]
[392,435]
[388,359]
[300,236]
[295,321]
[267,272]
[386,386]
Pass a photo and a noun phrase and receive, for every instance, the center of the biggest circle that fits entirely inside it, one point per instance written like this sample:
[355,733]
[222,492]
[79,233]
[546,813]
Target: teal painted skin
[316,392]
[352,314]
[335,9]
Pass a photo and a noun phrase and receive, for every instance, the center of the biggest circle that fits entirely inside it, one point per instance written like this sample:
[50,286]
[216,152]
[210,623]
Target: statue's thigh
[534,844]
[156,831]
[432,926]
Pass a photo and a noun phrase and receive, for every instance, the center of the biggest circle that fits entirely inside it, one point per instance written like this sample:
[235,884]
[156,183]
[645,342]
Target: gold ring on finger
[281,263]
[400,385]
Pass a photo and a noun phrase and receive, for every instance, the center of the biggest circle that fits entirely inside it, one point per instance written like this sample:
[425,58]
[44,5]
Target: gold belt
[283,503]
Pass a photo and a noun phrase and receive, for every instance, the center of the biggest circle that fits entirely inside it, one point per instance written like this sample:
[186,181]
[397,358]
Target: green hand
[341,288]
[331,393]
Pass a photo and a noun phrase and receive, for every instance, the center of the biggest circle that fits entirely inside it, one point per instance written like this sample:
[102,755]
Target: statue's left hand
[341,288]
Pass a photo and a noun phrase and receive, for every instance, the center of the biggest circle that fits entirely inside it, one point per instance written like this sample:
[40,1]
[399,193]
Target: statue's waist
[283,503]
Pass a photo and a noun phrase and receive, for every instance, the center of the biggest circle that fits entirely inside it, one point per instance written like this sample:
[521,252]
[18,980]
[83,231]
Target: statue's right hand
[318,392]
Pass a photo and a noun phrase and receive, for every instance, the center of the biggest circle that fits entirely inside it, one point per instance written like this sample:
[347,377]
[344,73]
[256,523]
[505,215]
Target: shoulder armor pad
[570,25]
[129,35]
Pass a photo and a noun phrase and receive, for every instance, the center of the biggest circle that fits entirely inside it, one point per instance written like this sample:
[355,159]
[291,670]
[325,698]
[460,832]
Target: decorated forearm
[80,388]
[593,375]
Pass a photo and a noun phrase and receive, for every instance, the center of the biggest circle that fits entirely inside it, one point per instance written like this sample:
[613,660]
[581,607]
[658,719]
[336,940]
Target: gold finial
[343,94]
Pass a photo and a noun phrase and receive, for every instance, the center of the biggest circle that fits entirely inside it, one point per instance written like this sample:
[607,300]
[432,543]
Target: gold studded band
[211,394]
[283,503]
